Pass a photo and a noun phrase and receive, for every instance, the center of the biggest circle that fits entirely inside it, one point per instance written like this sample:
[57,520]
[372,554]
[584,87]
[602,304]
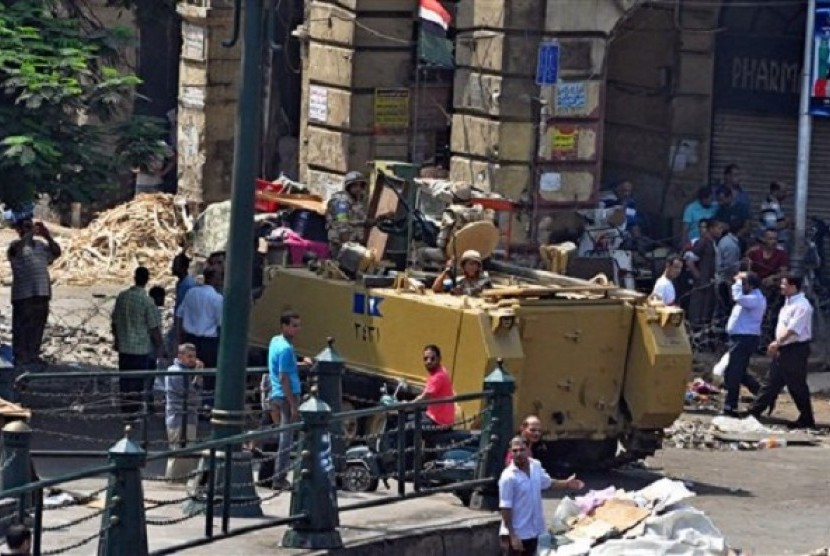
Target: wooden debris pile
[147,231]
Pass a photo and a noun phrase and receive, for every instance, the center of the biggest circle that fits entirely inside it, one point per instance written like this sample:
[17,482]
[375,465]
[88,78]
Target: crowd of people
[733,277]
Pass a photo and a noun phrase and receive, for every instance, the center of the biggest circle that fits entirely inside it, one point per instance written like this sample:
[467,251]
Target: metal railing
[223,487]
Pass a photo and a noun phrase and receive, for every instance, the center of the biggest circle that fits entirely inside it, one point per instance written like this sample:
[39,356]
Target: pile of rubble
[148,231]
[652,520]
[730,433]
[67,344]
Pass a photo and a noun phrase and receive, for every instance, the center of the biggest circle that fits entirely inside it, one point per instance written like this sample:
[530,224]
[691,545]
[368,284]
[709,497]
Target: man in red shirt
[439,385]
[769,261]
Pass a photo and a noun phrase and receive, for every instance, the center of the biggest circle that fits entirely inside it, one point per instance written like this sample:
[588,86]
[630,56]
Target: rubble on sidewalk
[652,520]
[731,433]
[148,231]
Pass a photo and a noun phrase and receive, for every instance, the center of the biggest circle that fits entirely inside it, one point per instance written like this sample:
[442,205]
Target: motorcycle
[447,456]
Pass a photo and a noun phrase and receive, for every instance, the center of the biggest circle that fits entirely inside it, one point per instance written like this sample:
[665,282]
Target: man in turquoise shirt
[701,209]
[285,390]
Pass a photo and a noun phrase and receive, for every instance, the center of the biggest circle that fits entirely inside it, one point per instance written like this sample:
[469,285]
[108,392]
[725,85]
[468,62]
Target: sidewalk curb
[478,536]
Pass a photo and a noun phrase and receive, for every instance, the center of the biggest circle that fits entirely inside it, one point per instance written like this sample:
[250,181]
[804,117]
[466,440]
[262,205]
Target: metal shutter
[765,148]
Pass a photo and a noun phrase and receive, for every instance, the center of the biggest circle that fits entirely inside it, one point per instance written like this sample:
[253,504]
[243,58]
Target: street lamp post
[228,416]
[805,131]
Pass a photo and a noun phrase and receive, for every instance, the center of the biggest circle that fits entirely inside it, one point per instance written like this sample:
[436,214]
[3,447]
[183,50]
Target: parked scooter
[448,456]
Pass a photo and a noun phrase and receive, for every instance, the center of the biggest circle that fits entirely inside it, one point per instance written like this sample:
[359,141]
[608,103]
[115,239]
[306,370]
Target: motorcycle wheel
[356,478]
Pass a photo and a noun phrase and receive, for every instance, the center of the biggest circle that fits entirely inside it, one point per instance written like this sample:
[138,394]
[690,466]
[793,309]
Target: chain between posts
[74,522]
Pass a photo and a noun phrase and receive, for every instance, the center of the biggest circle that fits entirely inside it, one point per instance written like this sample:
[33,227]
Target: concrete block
[592,15]
[330,23]
[324,183]
[192,74]
[509,97]
[581,57]
[337,151]
[500,14]
[216,184]
[346,110]
[575,186]
[633,109]
[636,147]
[511,180]
[695,74]
[343,67]
[492,139]
[691,115]
[497,51]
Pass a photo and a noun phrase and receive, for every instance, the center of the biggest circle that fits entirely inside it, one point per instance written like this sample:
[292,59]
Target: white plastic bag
[719,369]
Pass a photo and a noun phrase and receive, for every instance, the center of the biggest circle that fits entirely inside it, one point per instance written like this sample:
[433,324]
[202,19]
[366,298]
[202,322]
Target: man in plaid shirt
[31,288]
[136,329]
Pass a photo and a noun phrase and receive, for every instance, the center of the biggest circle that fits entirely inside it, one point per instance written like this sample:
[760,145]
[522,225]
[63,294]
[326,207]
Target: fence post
[17,466]
[495,437]
[329,368]
[315,491]
[123,527]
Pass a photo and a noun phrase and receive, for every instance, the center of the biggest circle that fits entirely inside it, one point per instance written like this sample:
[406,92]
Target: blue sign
[547,66]
[369,305]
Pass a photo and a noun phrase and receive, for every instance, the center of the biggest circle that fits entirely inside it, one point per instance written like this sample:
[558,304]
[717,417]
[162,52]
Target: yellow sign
[391,108]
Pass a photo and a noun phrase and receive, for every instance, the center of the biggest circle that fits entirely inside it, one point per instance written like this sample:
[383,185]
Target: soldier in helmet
[473,279]
[346,213]
[457,215]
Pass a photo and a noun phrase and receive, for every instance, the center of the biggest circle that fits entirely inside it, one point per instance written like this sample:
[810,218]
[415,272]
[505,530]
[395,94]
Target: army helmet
[352,178]
[470,255]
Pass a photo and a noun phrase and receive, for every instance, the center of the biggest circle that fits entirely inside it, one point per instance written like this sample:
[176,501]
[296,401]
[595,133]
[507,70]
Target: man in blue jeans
[744,328]
[285,390]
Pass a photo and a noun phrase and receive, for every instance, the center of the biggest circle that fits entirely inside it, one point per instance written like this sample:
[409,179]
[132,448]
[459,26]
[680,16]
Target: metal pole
[805,131]
[228,416]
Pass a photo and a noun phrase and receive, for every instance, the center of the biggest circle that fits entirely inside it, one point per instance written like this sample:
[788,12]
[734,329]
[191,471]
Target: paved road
[770,502]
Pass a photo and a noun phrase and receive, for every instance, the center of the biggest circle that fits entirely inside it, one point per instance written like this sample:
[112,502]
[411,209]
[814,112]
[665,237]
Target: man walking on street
[199,322]
[520,500]
[136,328]
[744,329]
[285,390]
[31,288]
[789,352]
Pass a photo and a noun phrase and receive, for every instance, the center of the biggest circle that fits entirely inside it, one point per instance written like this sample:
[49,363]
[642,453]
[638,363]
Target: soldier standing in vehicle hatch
[346,213]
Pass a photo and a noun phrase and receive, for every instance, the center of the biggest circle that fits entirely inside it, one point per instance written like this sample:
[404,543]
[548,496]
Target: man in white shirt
[199,320]
[664,286]
[520,500]
[789,351]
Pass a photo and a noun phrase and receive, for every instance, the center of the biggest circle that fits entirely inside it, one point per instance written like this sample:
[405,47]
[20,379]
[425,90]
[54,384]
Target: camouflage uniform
[473,286]
[345,221]
[454,218]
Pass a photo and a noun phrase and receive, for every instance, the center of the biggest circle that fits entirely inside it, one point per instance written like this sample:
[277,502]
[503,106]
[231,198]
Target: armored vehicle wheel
[357,478]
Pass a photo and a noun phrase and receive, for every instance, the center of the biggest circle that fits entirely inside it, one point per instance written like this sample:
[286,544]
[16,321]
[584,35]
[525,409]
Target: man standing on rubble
[31,287]
[346,213]
[520,500]
[136,328]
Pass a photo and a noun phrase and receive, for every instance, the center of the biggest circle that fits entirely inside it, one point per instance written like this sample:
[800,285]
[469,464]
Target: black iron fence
[402,445]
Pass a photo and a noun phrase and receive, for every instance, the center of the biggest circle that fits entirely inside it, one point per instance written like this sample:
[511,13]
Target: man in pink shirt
[439,385]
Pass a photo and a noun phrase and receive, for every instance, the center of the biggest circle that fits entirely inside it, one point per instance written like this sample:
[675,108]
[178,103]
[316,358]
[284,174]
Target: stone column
[208,94]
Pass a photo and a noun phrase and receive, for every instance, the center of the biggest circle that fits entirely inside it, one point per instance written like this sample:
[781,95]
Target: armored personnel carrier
[602,367]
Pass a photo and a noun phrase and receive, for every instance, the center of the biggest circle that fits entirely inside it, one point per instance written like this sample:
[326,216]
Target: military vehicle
[602,367]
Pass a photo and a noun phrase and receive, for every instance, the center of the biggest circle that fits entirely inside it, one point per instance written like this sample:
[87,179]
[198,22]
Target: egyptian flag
[434,48]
